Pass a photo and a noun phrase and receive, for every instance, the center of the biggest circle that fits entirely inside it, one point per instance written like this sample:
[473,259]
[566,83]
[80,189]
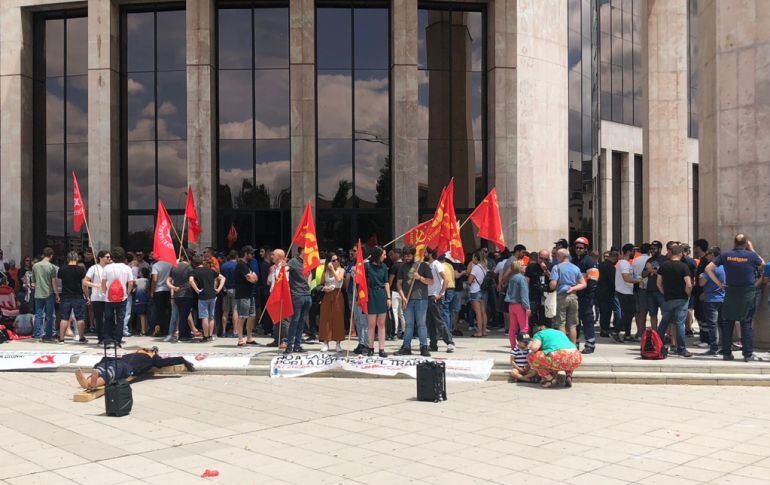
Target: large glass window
[451,113]
[621,60]
[692,69]
[583,116]
[254,189]
[154,119]
[61,127]
[353,126]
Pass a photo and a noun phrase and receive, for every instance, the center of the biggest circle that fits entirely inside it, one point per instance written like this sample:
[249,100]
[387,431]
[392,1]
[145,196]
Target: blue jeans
[174,318]
[127,317]
[711,321]
[301,312]
[114,314]
[675,310]
[655,300]
[608,307]
[446,306]
[415,314]
[362,325]
[44,307]
[586,314]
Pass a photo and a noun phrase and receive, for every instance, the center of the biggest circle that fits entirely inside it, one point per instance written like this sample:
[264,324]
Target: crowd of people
[566,289]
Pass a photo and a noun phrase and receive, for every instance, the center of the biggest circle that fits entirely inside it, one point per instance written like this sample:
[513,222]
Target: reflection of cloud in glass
[134,86]
[334,104]
[77,115]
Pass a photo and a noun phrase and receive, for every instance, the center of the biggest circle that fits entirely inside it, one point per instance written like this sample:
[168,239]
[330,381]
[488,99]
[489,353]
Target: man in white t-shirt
[436,290]
[624,291]
[640,294]
[117,282]
[97,299]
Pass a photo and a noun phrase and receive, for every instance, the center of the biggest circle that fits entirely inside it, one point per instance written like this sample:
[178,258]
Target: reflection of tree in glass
[383,185]
[341,197]
[261,196]
[140,240]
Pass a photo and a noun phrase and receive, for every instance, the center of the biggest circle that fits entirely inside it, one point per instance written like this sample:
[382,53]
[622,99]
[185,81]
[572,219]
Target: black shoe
[298,348]
[403,351]
[359,350]
[383,354]
[400,335]
[753,358]
[83,340]
[728,357]
[604,334]
[588,350]
[684,354]
[710,353]
[287,350]
[457,333]
[689,333]
[369,352]
[272,344]
[424,352]
[433,348]
[616,337]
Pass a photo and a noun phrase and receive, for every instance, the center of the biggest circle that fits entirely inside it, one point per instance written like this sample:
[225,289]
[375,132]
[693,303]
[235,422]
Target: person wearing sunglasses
[331,326]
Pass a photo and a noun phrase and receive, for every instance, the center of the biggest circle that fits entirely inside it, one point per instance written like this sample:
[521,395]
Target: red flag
[193,224]
[487,218]
[79,209]
[362,289]
[279,304]
[232,236]
[444,233]
[305,238]
[417,236]
[163,245]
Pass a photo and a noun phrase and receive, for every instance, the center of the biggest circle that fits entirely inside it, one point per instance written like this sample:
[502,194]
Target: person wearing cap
[520,369]
[654,296]
[560,244]
[624,291]
[590,271]
[567,280]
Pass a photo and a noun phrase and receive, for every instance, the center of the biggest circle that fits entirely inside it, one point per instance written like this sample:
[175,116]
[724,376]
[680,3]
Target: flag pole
[280,319]
[181,243]
[181,247]
[352,309]
[265,306]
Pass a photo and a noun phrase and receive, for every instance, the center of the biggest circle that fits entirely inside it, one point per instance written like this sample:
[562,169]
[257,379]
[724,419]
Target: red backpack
[115,293]
[652,347]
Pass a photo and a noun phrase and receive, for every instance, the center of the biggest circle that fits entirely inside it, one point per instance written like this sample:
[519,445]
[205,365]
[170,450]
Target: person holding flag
[299,285]
[377,296]
[412,284]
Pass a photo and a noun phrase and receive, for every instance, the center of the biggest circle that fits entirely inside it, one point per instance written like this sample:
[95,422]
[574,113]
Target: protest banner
[26,360]
[201,360]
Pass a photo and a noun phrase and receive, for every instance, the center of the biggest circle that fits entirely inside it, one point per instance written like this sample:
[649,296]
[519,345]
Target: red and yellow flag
[417,236]
[486,217]
[305,238]
[444,233]
[279,305]
[361,288]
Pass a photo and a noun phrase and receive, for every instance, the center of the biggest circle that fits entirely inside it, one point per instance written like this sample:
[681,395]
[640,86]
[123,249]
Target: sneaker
[702,345]
[360,349]
[728,357]
[684,354]
[339,347]
[369,352]
[616,337]
[287,351]
[710,353]
[424,351]
[325,348]
[737,346]
[689,333]
[753,358]
[588,350]
[400,335]
[168,339]
[298,348]
[59,341]
[83,340]
[433,347]
[604,334]
[272,344]
[450,348]
[403,351]
[383,354]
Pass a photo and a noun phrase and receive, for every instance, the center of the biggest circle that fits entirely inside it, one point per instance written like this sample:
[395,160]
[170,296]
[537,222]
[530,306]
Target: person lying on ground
[135,364]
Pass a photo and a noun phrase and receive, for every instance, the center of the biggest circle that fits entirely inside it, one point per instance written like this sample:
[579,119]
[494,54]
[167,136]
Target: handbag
[549,304]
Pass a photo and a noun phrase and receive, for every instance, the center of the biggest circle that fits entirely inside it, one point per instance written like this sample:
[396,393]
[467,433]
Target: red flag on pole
[444,233]
[163,245]
[487,218]
[305,238]
[417,236]
[279,304]
[193,224]
[362,289]
[232,236]
[79,209]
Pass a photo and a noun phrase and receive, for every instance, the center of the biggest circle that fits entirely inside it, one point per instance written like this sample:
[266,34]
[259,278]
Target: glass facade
[692,71]
[583,116]
[60,117]
[451,111]
[621,60]
[353,123]
[153,118]
[254,188]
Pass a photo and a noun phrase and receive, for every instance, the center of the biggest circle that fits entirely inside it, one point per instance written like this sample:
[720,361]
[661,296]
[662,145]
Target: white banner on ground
[25,360]
[295,365]
[201,360]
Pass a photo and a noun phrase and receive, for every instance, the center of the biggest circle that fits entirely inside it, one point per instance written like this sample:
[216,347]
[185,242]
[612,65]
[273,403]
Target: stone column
[527,103]
[302,101]
[201,111]
[104,123]
[734,151]
[627,190]
[16,132]
[666,202]
[404,105]
[605,199]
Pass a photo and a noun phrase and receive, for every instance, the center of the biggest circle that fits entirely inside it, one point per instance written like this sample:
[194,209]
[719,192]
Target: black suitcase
[431,381]
[118,399]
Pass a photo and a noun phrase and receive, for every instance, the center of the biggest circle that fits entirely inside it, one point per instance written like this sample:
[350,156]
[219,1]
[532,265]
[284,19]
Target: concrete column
[529,118]
[16,132]
[103,123]
[404,104]
[201,110]
[666,203]
[605,199]
[302,101]
[734,152]
[627,205]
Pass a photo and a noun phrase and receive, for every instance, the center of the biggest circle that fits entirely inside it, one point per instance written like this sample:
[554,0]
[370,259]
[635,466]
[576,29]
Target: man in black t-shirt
[654,296]
[675,283]
[538,275]
[245,304]
[609,305]
[412,283]
[73,299]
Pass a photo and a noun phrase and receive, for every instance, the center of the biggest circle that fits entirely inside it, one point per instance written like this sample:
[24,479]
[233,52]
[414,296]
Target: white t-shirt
[436,267]
[118,272]
[621,286]
[637,266]
[478,273]
[94,274]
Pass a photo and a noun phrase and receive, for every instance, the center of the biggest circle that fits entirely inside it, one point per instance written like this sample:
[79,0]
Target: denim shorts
[246,307]
[478,296]
[73,305]
[207,308]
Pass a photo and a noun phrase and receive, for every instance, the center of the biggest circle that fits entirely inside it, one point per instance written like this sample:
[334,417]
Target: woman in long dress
[379,298]
[332,321]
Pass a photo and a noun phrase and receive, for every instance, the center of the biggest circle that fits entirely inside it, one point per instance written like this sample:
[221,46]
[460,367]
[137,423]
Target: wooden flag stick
[181,243]
[352,309]
[181,247]
[280,318]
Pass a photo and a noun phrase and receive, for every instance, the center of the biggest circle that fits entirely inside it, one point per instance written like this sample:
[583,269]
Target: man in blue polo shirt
[567,280]
[740,266]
